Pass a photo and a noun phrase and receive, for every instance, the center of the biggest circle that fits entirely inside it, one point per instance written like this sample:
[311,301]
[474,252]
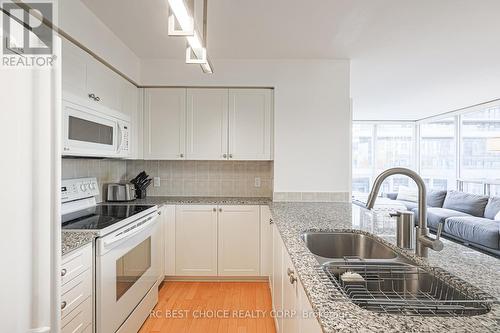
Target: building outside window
[437,142]
[378,146]
[362,157]
[476,162]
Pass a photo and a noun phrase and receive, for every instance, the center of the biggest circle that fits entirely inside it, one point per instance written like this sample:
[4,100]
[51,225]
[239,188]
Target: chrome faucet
[422,239]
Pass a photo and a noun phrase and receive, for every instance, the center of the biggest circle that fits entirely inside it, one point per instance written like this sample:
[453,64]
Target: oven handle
[130,230]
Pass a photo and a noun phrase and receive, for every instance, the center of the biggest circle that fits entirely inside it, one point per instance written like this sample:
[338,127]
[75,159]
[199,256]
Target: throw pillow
[406,193]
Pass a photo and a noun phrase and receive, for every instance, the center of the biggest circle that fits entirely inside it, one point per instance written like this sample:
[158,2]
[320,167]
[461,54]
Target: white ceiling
[409,58]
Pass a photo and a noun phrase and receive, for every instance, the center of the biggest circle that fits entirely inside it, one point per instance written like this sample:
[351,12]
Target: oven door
[87,132]
[127,266]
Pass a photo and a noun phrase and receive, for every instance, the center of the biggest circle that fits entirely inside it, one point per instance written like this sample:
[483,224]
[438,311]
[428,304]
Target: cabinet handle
[63,272]
[97,99]
[181,155]
[293,279]
[63,305]
[224,155]
[220,209]
[214,209]
[271,221]
[92,96]
[230,155]
[289,271]
[66,148]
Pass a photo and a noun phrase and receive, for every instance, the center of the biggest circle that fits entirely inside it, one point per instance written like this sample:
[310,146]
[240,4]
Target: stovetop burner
[100,217]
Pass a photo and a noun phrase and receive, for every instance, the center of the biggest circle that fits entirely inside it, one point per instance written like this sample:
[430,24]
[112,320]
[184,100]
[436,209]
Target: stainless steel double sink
[375,277]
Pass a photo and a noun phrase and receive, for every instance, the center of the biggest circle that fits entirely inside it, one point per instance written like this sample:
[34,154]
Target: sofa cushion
[477,230]
[492,208]
[436,198]
[409,204]
[436,215]
[472,204]
[405,193]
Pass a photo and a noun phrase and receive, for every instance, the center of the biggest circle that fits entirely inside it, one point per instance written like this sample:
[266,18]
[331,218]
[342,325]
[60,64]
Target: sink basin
[346,246]
[403,289]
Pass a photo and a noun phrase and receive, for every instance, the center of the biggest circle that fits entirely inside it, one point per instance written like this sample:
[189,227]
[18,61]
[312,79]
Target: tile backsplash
[106,171]
[206,178]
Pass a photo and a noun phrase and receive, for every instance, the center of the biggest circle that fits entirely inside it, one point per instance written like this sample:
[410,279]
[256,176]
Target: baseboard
[217,278]
[311,197]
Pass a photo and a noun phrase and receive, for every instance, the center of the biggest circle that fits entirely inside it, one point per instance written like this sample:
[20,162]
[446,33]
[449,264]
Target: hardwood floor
[212,307]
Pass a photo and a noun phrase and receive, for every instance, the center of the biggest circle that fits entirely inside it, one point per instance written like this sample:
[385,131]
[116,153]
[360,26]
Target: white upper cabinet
[104,84]
[165,123]
[74,70]
[207,124]
[238,250]
[88,79]
[250,124]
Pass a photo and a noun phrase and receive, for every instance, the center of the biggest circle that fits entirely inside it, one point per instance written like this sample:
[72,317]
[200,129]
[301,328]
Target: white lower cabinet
[211,240]
[238,241]
[168,221]
[76,291]
[266,241]
[277,278]
[290,302]
[291,315]
[196,240]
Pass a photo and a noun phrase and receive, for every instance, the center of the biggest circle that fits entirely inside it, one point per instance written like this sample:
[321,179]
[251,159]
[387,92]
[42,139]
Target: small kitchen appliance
[121,192]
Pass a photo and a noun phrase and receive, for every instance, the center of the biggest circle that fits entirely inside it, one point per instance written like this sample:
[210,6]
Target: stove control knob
[92,186]
[82,187]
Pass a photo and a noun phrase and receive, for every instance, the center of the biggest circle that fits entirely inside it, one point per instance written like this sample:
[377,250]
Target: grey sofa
[467,218]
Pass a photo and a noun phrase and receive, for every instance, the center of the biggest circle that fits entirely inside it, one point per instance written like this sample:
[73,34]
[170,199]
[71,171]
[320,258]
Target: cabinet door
[164,123]
[104,84]
[266,241]
[207,124]
[250,124]
[290,296]
[307,319]
[74,70]
[196,240]
[168,219]
[238,240]
[277,280]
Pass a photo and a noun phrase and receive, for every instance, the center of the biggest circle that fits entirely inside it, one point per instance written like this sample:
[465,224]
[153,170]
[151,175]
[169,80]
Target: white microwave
[91,133]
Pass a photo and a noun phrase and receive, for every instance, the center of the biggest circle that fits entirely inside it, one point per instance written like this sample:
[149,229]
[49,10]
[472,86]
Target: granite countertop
[339,314]
[72,240]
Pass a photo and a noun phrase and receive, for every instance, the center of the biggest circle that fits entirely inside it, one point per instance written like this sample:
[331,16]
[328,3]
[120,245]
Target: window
[394,148]
[362,157]
[443,155]
[377,147]
[438,154]
[476,162]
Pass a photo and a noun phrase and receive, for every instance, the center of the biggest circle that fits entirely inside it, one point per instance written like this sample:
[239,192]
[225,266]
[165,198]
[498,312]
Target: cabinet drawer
[75,263]
[78,320]
[75,292]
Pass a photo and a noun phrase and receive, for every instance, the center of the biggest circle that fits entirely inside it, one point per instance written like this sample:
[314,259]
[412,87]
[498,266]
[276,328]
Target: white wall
[312,113]
[80,23]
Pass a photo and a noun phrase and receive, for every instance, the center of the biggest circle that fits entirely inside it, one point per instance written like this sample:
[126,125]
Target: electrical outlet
[257,182]
[156,182]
